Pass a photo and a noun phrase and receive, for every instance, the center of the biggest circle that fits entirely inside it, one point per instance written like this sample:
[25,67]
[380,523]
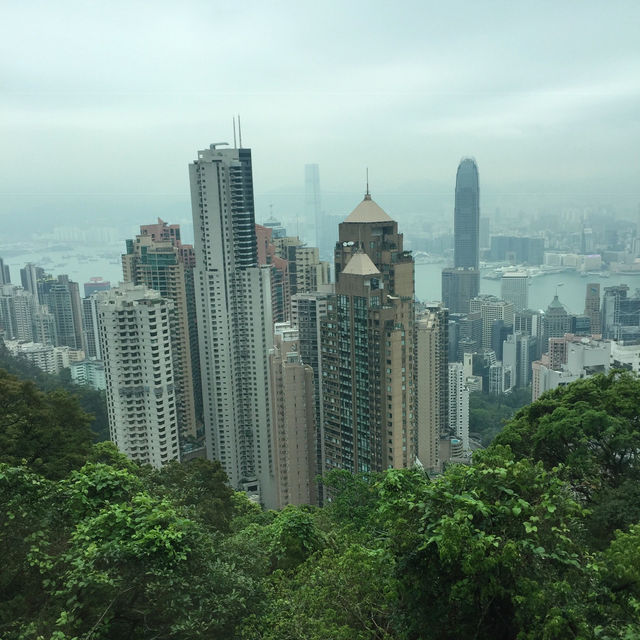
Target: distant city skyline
[551,120]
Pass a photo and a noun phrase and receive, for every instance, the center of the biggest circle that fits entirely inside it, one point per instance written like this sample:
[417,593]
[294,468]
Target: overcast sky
[116,97]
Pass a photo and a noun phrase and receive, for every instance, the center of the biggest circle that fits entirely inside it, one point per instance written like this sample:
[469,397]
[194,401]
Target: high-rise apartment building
[62,297]
[514,288]
[294,425]
[458,401]
[5,274]
[432,383]
[17,308]
[157,259]
[306,271]
[280,282]
[234,318]
[308,310]
[592,307]
[29,276]
[367,347]
[135,340]
[90,327]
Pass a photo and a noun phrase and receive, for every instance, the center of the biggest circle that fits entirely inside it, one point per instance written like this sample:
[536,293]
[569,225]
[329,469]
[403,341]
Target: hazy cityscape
[320,322]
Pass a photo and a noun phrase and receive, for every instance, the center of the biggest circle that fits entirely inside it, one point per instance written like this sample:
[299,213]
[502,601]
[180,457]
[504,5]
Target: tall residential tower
[235,332]
[158,259]
[367,347]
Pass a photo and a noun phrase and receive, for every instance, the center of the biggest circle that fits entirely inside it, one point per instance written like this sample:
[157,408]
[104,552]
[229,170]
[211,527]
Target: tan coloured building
[157,259]
[367,347]
[294,424]
[307,272]
[432,380]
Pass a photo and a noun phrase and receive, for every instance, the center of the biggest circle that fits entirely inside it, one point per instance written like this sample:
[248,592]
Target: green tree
[489,413]
[592,428]
[488,551]
[96,556]
[202,487]
[342,593]
[48,432]
[91,400]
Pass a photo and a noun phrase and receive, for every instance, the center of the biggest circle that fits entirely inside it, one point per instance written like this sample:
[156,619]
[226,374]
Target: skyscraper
[492,309]
[555,322]
[307,313]
[431,384]
[17,308]
[367,347]
[514,288]
[294,424]
[62,296]
[5,275]
[466,219]
[235,332]
[592,307]
[462,283]
[458,404]
[29,276]
[312,203]
[459,286]
[135,343]
[157,259]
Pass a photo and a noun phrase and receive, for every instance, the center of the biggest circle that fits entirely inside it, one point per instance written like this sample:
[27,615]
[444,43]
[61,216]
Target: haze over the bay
[103,105]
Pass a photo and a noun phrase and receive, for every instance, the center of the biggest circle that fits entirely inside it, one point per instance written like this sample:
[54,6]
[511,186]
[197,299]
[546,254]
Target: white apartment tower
[234,317]
[135,341]
[459,404]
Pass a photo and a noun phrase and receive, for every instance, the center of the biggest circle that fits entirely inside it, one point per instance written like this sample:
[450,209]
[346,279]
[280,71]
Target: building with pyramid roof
[367,347]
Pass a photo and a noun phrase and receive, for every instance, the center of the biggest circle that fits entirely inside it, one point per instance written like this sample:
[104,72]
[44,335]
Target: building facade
[367,347]
[466,220]
[157,259]
[432,383]
[514,288]
[294,424]
[135,341]
[458,404]
[308,311]
[234,319]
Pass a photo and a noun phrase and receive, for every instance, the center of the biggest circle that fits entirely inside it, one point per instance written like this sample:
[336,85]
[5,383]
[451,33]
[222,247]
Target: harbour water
[82,263]
[570,285]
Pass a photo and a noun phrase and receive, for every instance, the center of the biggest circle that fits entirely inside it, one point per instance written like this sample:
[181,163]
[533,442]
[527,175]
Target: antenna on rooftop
[239,131]
[367,195]
[235,146]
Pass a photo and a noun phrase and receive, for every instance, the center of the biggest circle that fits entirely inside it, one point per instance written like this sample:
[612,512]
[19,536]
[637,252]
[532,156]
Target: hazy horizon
[103,107]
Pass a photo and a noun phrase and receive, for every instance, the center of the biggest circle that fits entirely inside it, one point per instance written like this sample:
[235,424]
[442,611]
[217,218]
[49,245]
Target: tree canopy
[538,539]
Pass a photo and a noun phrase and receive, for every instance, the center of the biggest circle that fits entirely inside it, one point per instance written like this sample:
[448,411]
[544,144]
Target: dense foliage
[488,413]
[525,543]
[92,401]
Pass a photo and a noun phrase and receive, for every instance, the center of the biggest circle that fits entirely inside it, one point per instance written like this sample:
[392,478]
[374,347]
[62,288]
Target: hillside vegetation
[538,539]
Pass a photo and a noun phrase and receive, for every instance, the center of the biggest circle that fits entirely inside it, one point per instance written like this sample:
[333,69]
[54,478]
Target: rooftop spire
[367,195]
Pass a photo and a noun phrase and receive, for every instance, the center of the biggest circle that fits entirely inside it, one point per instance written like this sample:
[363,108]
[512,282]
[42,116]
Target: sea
[84,262]
[570,286]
